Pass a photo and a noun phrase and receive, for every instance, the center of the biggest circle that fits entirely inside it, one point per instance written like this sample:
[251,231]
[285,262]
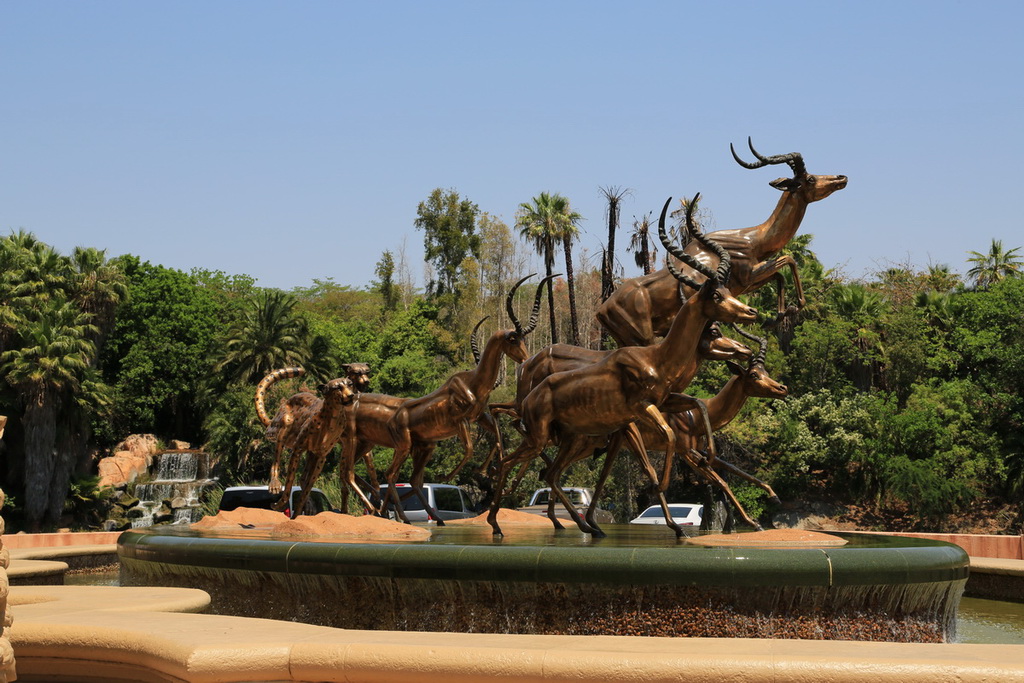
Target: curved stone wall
[6,652]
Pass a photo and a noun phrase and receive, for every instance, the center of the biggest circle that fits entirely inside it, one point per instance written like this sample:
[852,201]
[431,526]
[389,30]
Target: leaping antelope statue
[643,308]
[628,385]
[416,425]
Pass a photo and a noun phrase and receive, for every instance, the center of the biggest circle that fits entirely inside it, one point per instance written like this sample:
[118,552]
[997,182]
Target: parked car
[261,497]
[450,501]
[581,498]
[684,514]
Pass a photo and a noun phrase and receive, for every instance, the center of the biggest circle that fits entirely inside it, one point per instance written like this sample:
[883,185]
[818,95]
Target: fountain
[636,581]
[180,476]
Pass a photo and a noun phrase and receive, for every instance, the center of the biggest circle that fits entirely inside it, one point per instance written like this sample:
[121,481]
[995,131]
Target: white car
[450,501]
[684,514]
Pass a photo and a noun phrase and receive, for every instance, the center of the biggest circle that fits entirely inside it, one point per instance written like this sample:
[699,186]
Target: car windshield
[251,498]
[575,497]
[410,501]
[676,510]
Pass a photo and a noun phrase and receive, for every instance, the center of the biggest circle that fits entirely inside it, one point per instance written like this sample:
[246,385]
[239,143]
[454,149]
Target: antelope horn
[677,252]
[709,245]
[762,345]
[535,312]
[508,303]
[472,340]
[794,160]
[724,260]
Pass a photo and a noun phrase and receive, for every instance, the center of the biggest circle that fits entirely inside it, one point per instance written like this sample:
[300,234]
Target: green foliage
[210,497]
[158,353]
[448,223]
[235,434]
[385,270]
[87,503]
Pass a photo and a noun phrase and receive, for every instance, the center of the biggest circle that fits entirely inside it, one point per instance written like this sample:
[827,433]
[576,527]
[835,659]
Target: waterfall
[179,477]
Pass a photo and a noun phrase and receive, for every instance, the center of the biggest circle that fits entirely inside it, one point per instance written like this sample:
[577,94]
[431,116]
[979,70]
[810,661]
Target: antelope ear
[345,367]
[322,388]
[734,368]
[785,184]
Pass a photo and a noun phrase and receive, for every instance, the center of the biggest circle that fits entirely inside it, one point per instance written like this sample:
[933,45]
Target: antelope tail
[265,383]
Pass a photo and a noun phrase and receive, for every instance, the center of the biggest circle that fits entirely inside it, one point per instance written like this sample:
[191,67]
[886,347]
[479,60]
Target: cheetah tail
[265,383]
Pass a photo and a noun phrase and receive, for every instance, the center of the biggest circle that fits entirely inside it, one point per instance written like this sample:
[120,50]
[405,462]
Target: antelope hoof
[440,522]
[758,527]
[597,533]
[774,500]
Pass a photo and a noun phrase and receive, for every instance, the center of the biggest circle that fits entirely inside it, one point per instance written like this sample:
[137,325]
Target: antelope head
[513,342]
[716,346]
[756,380]
[809,187]
[714,296]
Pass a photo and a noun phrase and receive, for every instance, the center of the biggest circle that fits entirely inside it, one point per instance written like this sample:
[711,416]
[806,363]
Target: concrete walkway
[94,633]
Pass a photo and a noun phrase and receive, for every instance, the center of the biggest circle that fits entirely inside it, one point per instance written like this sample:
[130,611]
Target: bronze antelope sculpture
[562,357]
[750,382]
[416,425]
[643,308]
[628,385]
[712,345]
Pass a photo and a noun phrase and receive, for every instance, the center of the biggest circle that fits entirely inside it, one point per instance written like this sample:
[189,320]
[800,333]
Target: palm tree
[546,221]
[937,306]
[994,266]
[269,335]
[857,303]
[614,195]
[640,244]
[99,286]
[52,355]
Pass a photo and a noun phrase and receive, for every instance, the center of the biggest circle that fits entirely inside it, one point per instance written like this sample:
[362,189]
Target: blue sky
[292,141]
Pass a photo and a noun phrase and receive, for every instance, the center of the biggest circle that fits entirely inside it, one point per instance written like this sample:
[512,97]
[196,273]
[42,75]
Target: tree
[158,355]
[640,244]
[546,221]
[994,266]
[385,270]
[449,226]
[269,335]
[614,196]
[52,356]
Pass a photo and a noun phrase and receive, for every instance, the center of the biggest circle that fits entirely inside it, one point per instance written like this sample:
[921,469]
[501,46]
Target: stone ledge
[82,633]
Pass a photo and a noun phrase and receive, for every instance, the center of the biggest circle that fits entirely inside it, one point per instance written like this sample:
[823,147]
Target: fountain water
[179,478]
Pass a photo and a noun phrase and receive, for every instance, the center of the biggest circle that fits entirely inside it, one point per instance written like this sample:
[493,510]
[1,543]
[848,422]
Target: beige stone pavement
[101,633]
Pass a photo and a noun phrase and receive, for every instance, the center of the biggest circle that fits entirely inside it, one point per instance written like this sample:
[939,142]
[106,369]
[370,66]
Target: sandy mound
[323,524]
[507,517]
[772,538]
[235,519]
[365,526]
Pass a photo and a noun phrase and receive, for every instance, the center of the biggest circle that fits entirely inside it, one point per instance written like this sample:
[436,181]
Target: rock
[177,445]
[127,502]
[136,513]
[177,503]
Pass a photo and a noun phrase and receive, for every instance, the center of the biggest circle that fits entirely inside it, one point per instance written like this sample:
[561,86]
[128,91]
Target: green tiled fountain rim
[683,565]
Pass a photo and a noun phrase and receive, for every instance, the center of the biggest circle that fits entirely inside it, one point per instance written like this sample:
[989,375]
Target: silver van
[451,502]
